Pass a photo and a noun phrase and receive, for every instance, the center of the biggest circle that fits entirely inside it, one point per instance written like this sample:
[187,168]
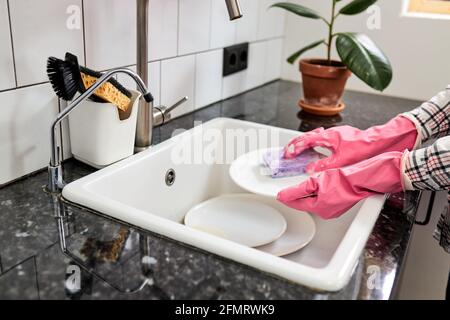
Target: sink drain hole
[170,177]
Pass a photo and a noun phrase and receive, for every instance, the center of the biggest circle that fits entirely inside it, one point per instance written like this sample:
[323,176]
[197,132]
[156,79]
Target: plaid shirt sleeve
[432,118]
[429,169]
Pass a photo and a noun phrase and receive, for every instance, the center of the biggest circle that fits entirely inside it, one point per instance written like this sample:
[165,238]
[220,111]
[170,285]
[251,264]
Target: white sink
[135,191]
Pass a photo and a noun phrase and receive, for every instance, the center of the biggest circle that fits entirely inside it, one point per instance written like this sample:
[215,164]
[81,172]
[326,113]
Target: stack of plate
[255,220]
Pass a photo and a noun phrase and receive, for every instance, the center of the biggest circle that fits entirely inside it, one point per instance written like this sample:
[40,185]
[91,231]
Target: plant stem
[330,32]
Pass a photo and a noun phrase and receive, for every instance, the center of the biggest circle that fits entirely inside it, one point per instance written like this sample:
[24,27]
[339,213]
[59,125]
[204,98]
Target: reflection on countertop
[112,258]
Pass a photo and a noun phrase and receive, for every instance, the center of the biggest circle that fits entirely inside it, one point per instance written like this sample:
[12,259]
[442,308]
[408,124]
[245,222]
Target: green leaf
[298,10]
[296,55]
[362,56]
[356,7]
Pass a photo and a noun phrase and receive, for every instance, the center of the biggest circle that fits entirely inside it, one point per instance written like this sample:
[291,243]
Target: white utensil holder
[97,135]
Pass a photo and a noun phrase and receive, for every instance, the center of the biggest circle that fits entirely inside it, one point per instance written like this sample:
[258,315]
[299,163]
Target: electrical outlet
[235,59]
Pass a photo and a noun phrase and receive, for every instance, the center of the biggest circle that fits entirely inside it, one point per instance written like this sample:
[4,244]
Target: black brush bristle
[74,61]
[65,77]
[62,78]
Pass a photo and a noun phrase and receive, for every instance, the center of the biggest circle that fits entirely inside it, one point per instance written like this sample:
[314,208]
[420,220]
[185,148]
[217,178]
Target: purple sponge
[279,167]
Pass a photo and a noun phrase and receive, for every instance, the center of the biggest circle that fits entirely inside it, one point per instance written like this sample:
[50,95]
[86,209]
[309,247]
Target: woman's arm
[432,118]
[429,169]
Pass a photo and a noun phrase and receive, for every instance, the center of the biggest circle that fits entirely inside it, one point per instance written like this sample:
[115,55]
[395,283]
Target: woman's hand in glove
[333,192]
[350,145]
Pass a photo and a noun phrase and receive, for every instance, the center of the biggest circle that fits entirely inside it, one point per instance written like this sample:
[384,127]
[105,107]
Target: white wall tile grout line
[84,32]
[12,43]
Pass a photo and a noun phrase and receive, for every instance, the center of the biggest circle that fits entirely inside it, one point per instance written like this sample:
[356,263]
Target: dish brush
[68,77]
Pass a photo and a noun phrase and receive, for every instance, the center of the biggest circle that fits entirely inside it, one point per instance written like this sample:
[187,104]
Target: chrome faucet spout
[234,9]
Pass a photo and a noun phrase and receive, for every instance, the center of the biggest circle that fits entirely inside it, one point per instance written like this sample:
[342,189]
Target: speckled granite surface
[32,265]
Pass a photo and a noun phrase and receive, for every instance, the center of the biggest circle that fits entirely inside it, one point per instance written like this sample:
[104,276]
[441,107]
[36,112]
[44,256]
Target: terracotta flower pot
[323,86]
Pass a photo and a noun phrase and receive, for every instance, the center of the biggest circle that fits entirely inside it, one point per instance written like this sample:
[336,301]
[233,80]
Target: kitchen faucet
[148,115]
[160,116]
[144,129]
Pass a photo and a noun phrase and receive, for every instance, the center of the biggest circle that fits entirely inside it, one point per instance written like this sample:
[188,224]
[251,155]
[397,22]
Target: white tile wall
[208,78]
[177,81]
[186,42]
[40,30]
[6,58]
[274,59]
[256,65]
[233,84]
[163,26]
[194,26]
[110,33]
[24,130]
[271,21]
[247,27]
[223,31]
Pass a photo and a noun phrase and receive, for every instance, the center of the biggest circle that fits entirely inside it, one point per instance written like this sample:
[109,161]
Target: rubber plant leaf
[362,56]
[356,7]
[298,10]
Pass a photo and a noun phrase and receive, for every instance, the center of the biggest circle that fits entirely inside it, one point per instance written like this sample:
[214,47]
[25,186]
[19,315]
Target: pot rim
[322,63]
[308,67]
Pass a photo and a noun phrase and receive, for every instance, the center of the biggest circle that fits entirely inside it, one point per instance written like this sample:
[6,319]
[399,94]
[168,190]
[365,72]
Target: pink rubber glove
[333,192]
[350,145]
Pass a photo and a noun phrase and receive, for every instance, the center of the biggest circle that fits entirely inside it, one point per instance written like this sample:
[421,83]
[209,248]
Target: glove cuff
[416,123]
[406,182]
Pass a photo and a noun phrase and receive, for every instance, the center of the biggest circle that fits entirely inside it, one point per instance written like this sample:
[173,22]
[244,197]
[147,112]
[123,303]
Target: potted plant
[324,80]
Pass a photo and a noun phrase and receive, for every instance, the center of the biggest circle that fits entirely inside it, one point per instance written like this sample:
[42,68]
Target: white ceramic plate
[247,172]
[301,229]
[240,218]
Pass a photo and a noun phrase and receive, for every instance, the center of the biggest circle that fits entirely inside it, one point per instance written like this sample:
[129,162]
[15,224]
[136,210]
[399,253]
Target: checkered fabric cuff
[428,168]
[432,118]
[418,126]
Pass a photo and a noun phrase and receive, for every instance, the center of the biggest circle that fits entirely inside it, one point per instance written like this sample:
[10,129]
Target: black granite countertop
[116,258]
